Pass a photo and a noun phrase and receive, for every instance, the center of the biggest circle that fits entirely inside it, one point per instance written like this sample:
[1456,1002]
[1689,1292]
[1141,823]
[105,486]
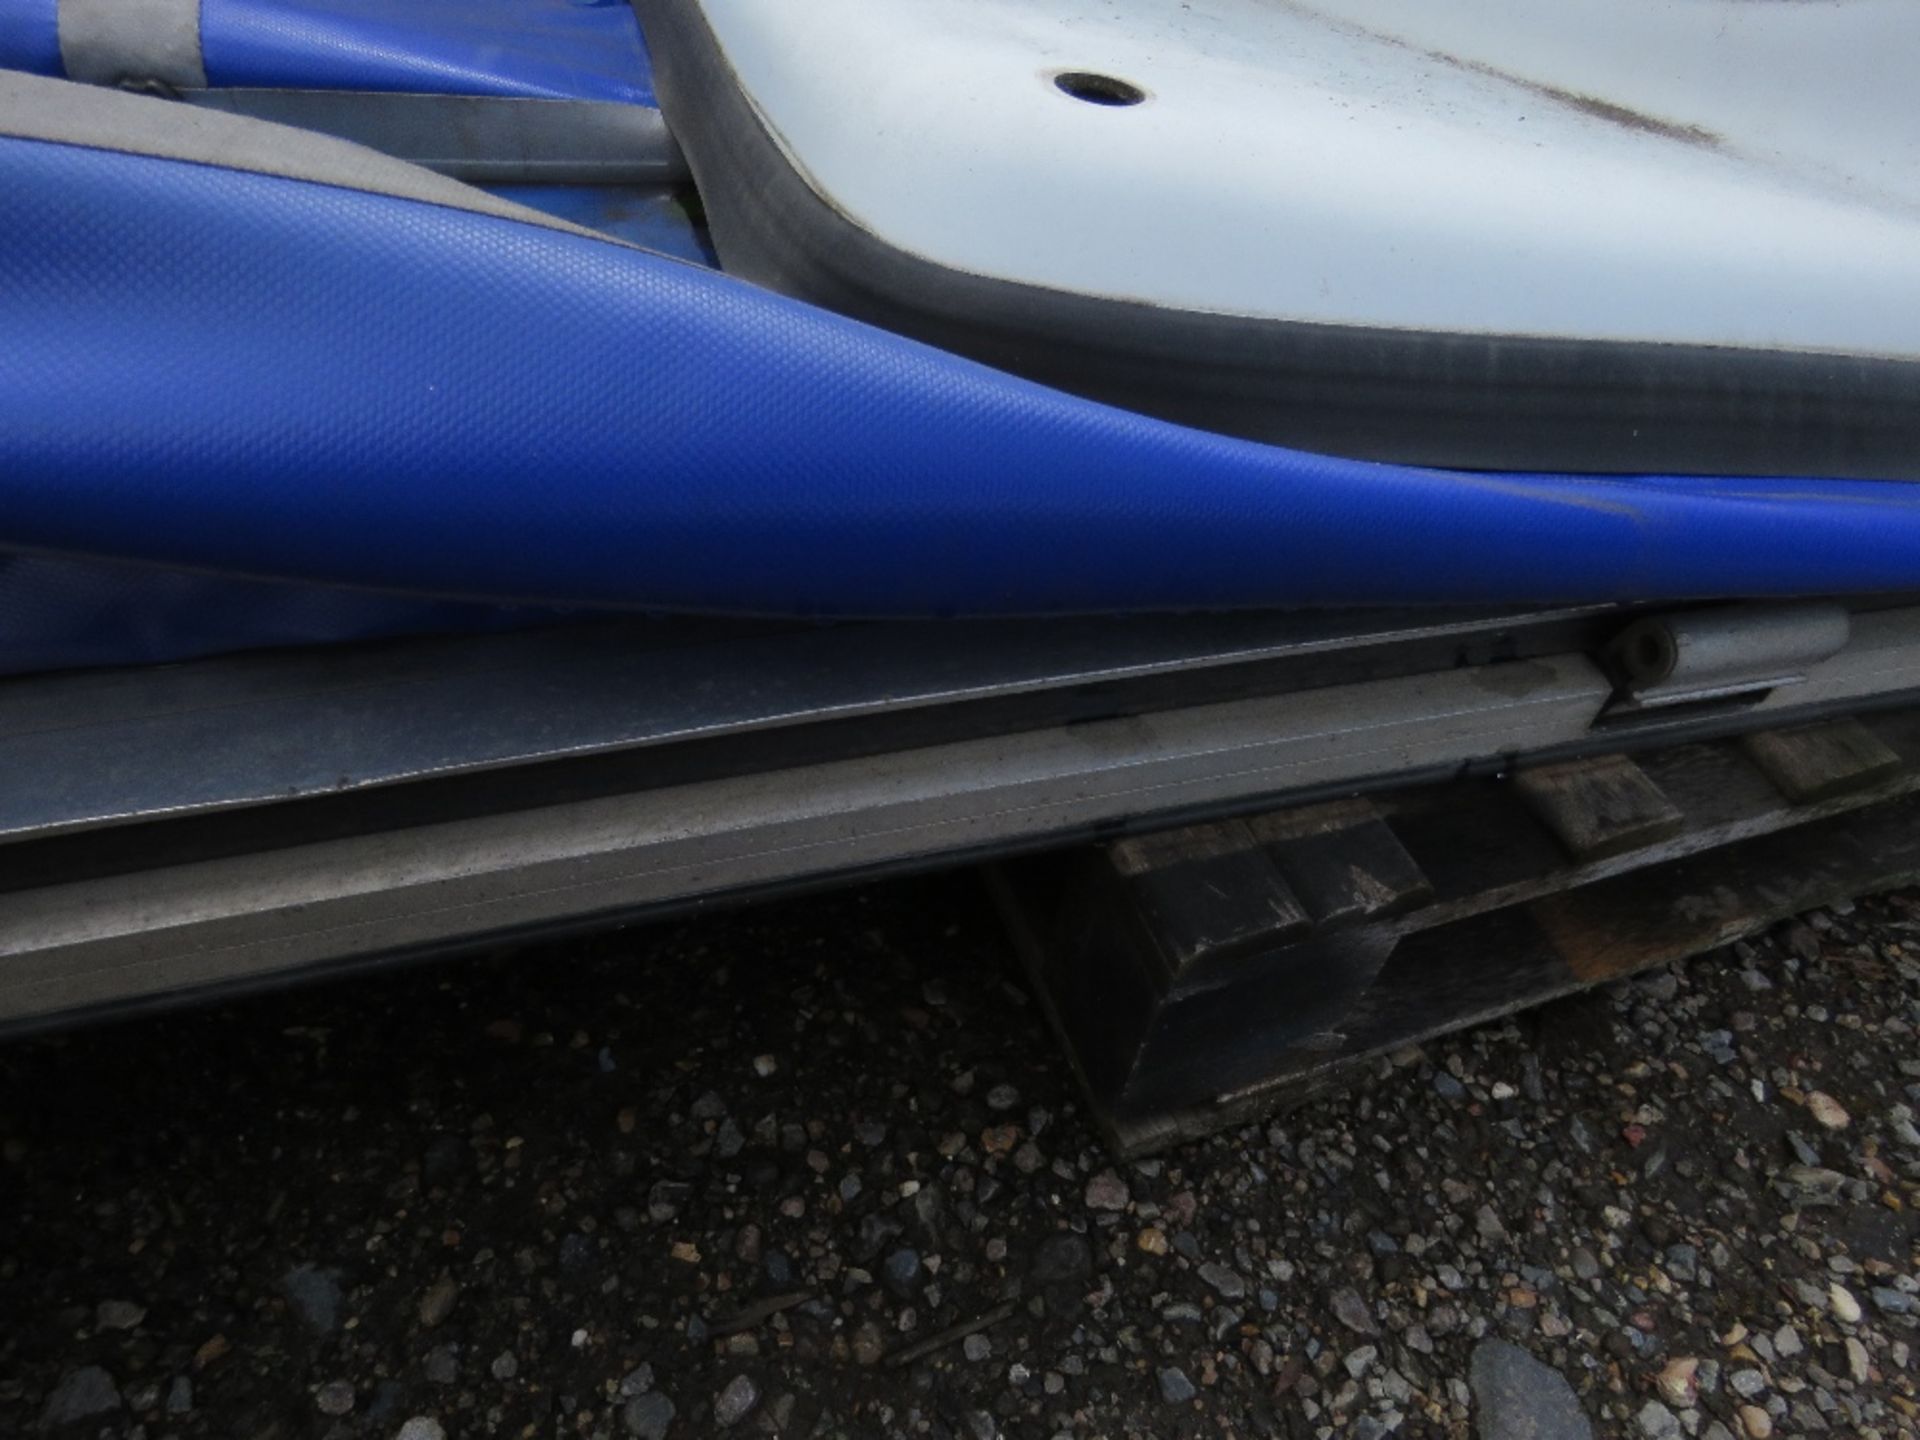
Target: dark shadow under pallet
[1201,976]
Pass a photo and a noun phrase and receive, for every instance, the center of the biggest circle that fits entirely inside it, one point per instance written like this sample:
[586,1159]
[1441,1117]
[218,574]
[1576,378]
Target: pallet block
[1203,975]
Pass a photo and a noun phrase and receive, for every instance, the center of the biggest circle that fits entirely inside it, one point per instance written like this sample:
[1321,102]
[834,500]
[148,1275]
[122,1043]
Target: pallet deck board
[1360,872]
[1207,893]
[1817,762]
[1493,899]
[1600,806]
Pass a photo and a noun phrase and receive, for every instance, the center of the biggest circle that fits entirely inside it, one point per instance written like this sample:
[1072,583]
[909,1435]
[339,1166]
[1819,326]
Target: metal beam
[201,738]
[117,747]
[89,942]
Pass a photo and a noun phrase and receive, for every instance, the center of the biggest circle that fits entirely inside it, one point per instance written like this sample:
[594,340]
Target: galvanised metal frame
[240,821]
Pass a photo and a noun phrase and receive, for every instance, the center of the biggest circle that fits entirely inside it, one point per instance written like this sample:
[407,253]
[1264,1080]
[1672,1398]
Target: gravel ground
[816,1169]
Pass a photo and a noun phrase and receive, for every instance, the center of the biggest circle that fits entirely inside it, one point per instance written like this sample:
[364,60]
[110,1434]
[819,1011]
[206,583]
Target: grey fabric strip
[111,42]
[33,107]
[482,139]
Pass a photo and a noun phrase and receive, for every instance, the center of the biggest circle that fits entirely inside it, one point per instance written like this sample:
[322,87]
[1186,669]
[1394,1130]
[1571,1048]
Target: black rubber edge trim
[1465,401]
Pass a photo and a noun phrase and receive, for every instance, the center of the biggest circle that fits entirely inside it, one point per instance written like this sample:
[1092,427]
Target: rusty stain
[1591,104]
[1608,110]
[1586,932]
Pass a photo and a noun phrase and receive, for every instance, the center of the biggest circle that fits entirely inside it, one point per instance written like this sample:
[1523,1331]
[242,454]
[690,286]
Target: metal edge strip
[69,946]
[91,750]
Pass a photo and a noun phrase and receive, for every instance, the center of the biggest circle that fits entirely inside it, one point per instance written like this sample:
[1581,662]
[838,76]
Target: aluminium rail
[240,821]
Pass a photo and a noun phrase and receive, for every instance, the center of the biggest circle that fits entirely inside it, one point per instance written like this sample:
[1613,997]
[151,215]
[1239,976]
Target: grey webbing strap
[33,107]
[114,42]
[482,139]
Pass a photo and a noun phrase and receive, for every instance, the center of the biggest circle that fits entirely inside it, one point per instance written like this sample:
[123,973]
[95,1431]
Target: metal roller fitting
[1707,654]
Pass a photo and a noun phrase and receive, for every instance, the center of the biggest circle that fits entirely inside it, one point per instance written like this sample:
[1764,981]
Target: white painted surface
[1410,163]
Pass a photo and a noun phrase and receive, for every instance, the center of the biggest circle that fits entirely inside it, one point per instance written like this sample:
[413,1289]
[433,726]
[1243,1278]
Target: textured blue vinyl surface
[206,368]
[652,216]
[30,36]
[553,49]
[548,49]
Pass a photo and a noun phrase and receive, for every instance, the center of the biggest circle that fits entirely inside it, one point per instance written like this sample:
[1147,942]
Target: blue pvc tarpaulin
[550,49]
[236,372]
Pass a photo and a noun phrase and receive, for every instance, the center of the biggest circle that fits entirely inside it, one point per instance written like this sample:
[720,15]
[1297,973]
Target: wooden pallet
[1203,975]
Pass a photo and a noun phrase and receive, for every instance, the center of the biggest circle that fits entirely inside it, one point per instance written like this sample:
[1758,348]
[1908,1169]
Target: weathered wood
[1086,962]
[1137,855]
[1138,1048]
[1598,807]
[1304,822]
[1207,894]
[1505,960]
[1344,876]
[1708,900]
[1817,762]
[1430,908]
